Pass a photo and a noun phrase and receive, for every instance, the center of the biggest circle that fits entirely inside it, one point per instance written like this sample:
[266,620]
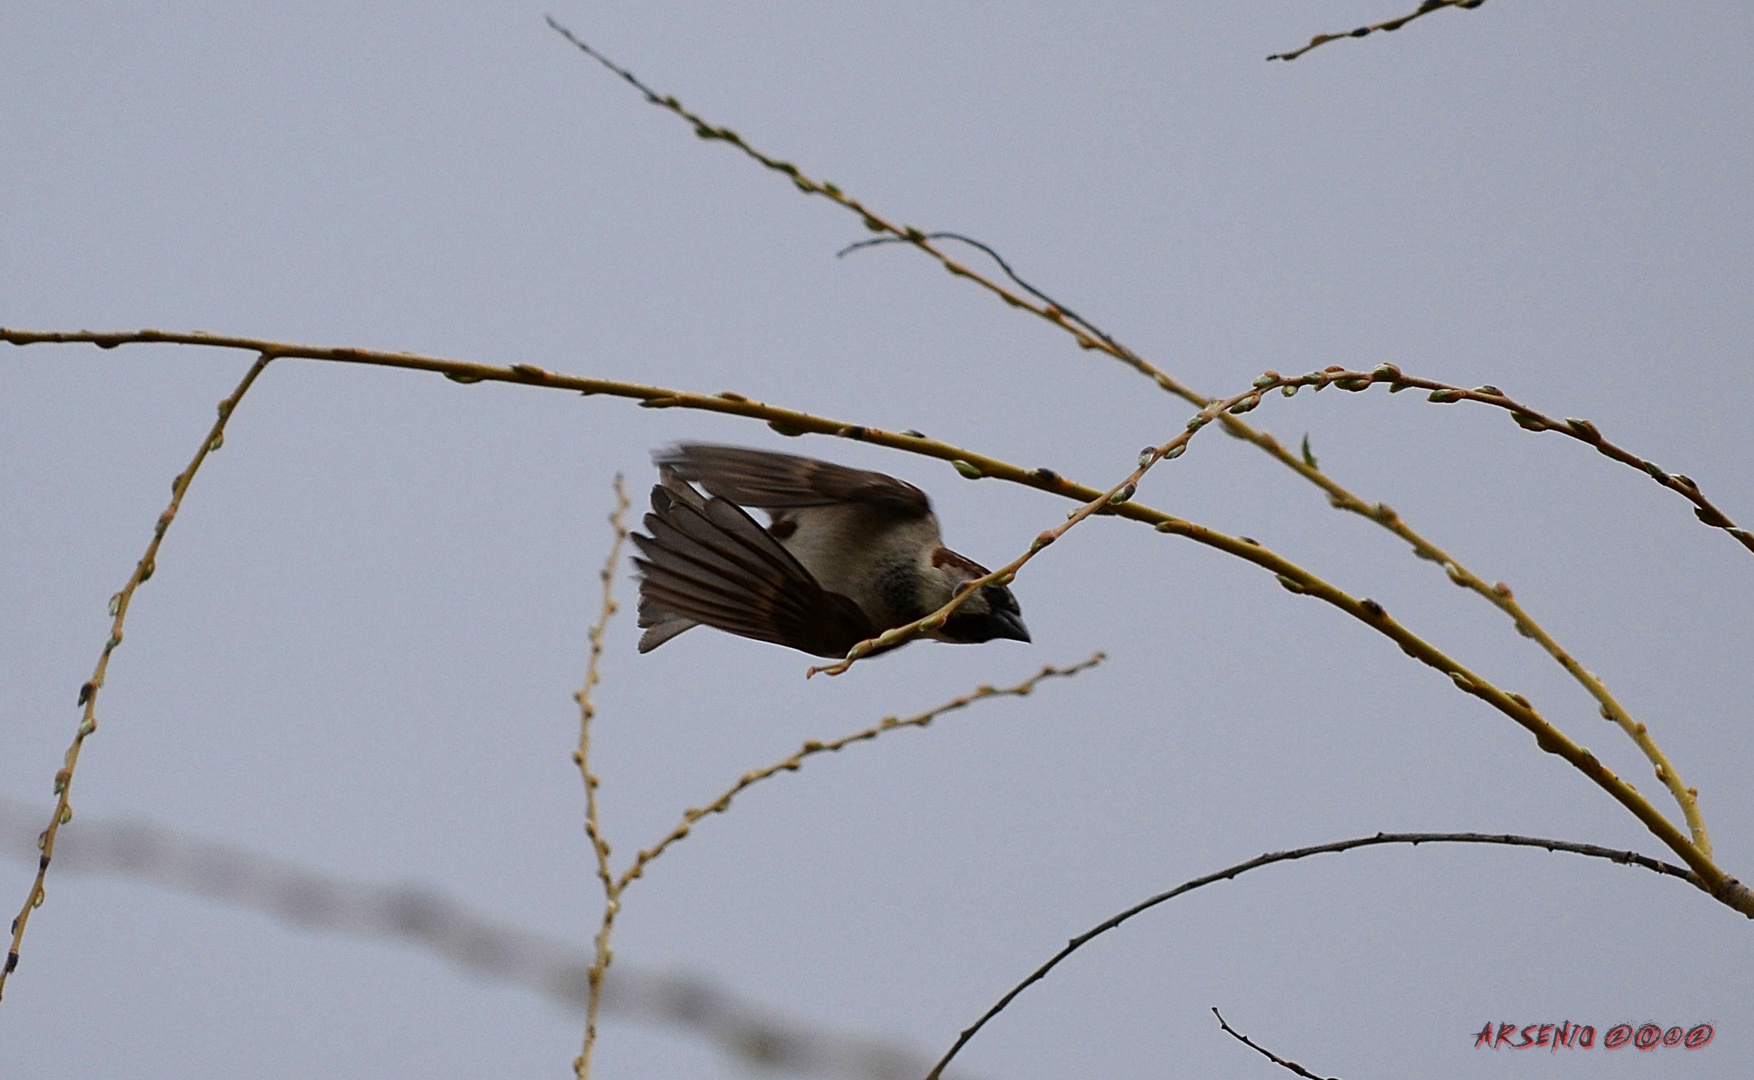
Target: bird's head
[992,612]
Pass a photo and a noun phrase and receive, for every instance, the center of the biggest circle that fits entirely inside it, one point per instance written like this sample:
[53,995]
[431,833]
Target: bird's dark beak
[1008,624]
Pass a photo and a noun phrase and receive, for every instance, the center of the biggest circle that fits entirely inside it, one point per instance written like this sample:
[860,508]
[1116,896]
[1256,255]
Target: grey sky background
[359,647]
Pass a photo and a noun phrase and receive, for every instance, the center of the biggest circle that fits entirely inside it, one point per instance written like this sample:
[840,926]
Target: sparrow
[846,555]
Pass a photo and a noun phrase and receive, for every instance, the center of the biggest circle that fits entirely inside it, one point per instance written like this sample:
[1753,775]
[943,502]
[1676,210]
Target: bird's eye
[1000,598]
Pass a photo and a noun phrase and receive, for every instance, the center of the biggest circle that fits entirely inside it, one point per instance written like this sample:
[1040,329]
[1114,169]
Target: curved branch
[1293,577]
[1628,858]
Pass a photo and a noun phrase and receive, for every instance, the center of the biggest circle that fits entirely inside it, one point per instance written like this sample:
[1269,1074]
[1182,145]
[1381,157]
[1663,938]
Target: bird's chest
[875,563]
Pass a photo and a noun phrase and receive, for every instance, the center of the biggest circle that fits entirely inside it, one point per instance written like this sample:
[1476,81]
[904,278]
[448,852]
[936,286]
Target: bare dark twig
[1004,267]
[1263,1051]
[1629,858]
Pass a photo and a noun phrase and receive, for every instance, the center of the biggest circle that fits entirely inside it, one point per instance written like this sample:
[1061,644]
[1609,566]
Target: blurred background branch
[473,941]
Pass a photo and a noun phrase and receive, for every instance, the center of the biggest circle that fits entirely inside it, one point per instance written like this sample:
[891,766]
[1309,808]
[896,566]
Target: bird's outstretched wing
[772,481]
[707,561]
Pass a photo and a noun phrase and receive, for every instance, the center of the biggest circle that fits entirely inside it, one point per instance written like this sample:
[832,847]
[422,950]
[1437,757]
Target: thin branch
[1087,333]
[1424,9]
[587,709]
[1264,1052]
[1628,858]
[582,758]
[1531,419]
[1293,577]
[814,747]
[88,693]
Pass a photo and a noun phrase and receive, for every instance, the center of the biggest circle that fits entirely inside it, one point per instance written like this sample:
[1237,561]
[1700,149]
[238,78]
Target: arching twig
[1004,267]
[1629,858]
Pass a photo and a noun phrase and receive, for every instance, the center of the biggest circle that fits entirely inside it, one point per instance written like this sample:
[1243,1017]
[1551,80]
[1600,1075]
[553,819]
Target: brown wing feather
[772,481]
[708,561]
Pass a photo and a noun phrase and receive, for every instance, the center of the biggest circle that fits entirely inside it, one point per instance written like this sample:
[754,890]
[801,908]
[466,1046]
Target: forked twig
[1004,268]
[119,604]
[1629,858]
[582,758]
[615,886]
[814,747]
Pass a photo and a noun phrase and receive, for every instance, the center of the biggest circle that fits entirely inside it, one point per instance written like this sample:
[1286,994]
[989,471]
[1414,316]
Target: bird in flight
[847,554]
